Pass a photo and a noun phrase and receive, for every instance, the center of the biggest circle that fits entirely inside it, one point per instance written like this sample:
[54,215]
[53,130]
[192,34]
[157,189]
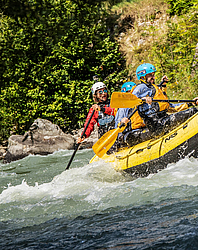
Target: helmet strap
[143,81]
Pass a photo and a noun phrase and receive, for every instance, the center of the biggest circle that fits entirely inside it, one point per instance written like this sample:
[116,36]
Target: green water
[37,195]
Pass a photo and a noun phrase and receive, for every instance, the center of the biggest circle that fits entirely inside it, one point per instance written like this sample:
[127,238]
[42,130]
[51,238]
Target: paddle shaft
[123,124]
[128,100]
[78,144]
[108,139]
[173,100]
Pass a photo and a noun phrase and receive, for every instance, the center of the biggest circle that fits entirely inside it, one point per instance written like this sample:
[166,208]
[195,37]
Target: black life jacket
[156,110]
[106,122]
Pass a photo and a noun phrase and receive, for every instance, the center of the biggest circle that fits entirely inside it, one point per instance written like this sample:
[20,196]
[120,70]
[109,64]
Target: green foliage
[178,7]
[50,51]
[174,55]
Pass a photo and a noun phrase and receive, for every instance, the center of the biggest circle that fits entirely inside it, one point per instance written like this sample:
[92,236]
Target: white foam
[98,186]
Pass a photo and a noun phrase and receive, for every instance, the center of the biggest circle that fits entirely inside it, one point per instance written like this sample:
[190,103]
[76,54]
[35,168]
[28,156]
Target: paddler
[120,114]
[154,115]
[123,112]
[104,115]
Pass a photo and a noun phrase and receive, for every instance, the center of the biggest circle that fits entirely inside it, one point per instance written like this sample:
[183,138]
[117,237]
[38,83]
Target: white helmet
[97,86]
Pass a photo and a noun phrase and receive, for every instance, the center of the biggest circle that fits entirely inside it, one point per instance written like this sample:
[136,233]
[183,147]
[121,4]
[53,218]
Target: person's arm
[92,122]
[127,119]
[142,91]
[90,127]
[106,110]
[121,113]
[162,84]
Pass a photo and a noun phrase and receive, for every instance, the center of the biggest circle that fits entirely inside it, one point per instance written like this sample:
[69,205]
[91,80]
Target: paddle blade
[124,100]
[106,142]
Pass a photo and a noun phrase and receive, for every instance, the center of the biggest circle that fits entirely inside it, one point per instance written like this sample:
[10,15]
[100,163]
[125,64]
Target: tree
[50,52]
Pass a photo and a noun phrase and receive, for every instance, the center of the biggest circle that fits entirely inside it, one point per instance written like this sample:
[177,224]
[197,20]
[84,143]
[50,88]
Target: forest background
[50,50]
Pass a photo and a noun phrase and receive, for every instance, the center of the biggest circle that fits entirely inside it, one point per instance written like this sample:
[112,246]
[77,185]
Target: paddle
[128,100]
[108,139]
[78,144]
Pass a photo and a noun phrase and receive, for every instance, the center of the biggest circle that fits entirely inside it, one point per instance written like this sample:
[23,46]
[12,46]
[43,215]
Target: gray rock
[42,138]
[89,142]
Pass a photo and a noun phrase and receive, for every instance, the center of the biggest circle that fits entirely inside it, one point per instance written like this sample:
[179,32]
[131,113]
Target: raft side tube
[153,155]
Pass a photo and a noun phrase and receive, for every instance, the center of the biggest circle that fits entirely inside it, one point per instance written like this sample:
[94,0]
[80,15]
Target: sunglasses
[102,91]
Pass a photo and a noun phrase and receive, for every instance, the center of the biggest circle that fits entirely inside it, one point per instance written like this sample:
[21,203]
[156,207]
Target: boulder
[42,138]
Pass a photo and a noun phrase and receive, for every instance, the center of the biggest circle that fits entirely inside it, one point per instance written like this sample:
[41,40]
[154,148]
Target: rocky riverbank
[43,137]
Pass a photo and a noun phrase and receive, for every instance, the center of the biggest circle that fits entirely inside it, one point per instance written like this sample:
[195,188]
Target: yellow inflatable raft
[153,155]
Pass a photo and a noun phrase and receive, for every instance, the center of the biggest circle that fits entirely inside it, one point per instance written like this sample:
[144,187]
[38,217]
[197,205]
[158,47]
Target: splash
[90,187]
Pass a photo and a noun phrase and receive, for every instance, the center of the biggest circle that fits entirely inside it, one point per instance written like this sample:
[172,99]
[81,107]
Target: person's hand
[80,140]
[195,103]
[147,99]
[96,107]
[165,79]
[125,120]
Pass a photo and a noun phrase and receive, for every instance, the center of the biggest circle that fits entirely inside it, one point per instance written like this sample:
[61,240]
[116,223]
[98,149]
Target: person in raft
[151,118]
[104,115]
[121,113]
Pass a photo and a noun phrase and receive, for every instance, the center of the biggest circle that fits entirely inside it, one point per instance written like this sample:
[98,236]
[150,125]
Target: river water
[91,206]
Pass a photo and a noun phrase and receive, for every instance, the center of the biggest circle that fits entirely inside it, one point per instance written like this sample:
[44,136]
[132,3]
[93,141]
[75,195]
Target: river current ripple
[91,206]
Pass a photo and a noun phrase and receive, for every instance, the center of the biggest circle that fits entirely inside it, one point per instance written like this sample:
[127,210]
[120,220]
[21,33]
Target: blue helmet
[127,86]
[144,69]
